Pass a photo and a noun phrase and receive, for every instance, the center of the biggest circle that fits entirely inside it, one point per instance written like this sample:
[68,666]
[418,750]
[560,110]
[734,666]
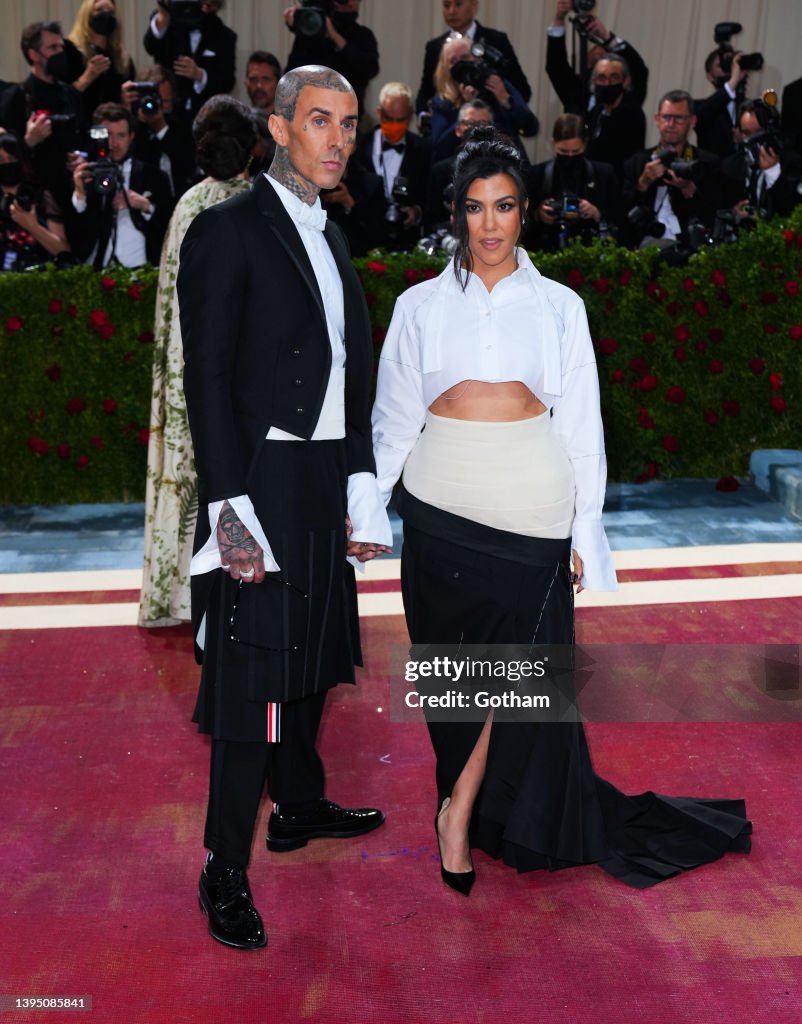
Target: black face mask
[11,174]
[104,23]
[608,93]
[58,66]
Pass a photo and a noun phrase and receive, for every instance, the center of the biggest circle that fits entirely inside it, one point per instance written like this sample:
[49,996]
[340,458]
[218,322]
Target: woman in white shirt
[488,402]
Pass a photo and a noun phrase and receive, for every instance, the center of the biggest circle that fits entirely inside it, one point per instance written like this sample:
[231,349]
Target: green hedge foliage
[698,365]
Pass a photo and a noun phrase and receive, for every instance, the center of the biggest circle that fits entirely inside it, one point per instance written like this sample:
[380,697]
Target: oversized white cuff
[367,512]
[208,558]
[591,544]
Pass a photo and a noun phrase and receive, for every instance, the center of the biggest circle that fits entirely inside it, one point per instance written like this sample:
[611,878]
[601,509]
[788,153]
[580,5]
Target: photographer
[572,86]
[45,111]
[328,33]
[571,196]
[99,61]
[401,159]
[727,70]
[616,124]
[162,138]
[31,227]
[763,175]
[460,77]
[188,38]
[668,188]
[460,17]
[123,205]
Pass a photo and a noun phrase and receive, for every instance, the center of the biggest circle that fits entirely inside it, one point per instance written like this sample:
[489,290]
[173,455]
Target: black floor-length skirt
[297,633]
[541,805]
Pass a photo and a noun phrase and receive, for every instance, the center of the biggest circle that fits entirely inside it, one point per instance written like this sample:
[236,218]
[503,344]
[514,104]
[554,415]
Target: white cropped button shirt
[527,328]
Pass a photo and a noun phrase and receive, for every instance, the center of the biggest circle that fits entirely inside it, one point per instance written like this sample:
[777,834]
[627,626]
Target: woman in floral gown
[225,136]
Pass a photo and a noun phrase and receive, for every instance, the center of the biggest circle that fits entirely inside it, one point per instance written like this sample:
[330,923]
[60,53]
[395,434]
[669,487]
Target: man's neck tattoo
[282,171]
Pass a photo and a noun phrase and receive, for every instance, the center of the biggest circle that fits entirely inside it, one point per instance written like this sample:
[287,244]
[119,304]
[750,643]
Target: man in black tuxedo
[278,365]
[716,116]
[616,124]
[396,154]
[460,16]
[198,48]
[673,195]
[126,222]
[163,138]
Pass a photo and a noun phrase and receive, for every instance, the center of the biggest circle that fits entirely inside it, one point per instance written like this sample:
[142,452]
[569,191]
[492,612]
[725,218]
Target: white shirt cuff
[590,542]
[208,558]
[201,83]
[78,203]
[367,514]
[556,31]
[154,28]
[771,174]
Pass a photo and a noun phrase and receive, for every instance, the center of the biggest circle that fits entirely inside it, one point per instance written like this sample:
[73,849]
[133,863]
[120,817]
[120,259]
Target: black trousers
[291,768]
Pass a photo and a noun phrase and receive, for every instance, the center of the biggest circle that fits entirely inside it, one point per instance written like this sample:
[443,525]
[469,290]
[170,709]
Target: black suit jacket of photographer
[702,205]
[511,70]
[415,164]
[714,124]
[256,346]
[176,144]
[90,228]
[779,200]
[216,53]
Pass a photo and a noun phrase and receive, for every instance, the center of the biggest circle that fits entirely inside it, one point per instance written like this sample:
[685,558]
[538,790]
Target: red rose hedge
[698,365]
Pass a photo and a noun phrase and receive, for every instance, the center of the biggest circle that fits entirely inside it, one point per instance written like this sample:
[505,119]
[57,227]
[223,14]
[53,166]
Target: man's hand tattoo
[233,538]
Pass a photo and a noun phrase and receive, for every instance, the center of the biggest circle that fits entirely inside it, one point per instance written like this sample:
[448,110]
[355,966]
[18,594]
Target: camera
[398,197]
[184,13]
[24,197]
[104,175]
[489,55]
[583,6]
[148,99]
[769,138]
[722,34]
[439,241]
[310,18]
[565,208]
[669,157]
[471,72]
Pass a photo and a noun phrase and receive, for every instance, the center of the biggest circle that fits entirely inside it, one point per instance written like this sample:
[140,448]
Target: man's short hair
[676,96]
[476,104]
[767,116]
[394,91]
[31,38]
[113,112]
[292,83]
[709,59]
[263,57]
[616,58]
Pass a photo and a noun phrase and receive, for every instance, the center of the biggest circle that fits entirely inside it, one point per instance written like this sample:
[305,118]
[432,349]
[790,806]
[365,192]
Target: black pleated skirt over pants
[541,805]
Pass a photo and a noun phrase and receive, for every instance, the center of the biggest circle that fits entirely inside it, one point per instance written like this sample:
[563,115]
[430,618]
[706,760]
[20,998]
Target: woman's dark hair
[485,153]
[225,135]
[569,126]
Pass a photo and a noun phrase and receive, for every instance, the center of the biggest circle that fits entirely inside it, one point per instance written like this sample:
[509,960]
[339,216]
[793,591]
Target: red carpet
[103,802]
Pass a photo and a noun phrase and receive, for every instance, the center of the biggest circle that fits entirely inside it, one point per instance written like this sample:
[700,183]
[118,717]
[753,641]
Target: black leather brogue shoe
[326,821]
[225,898]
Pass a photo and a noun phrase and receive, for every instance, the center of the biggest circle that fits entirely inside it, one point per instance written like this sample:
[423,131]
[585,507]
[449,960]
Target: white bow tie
[311,216]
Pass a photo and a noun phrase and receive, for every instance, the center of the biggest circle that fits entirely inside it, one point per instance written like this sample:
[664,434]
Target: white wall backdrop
[674,36]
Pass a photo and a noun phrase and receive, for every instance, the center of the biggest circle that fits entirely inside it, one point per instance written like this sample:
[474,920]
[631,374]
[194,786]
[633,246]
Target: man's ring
[247,575]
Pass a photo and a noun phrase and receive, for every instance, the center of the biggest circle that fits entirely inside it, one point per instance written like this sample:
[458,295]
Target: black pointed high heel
[460,881]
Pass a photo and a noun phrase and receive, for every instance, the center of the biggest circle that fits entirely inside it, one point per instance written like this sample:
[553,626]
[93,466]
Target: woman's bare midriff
[479,400]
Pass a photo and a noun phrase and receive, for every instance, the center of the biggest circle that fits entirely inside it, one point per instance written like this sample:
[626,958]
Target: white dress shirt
[527,328]
[365,506]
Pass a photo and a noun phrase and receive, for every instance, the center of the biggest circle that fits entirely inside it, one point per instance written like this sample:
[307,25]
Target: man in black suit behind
[198,48]
[278,361]
[460,16]
[393,152]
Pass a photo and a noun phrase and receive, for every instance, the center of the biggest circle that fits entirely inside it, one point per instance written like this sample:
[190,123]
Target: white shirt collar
[313,216]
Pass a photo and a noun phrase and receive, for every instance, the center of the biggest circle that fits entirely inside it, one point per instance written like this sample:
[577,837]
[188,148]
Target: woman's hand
[495,84]
[576,575]
[96,66]
[26,219]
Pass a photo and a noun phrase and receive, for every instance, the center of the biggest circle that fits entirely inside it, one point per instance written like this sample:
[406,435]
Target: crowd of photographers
[94,154]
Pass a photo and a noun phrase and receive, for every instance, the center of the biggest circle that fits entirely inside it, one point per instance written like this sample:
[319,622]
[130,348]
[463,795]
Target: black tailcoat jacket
[256,347]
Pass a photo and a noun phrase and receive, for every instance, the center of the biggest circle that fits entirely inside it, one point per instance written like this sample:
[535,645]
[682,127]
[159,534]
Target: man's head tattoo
[290,85]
